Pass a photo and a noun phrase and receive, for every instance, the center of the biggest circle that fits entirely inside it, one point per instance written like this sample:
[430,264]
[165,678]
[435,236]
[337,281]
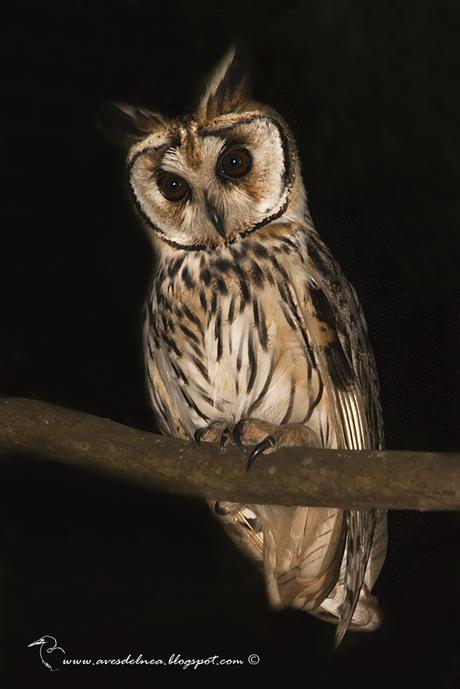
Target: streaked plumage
[249,317]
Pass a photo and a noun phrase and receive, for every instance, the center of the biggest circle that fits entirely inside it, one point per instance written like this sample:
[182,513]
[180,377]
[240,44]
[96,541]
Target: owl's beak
[216,220]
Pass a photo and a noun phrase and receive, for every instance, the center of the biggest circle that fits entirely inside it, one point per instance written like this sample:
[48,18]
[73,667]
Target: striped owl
[253,335]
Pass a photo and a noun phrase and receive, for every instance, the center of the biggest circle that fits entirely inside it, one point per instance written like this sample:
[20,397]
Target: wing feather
[346,363]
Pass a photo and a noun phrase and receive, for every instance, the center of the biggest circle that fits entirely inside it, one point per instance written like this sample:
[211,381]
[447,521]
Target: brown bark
[294,476]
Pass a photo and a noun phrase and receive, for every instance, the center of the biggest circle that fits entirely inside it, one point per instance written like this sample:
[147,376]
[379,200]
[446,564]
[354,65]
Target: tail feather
[360,529]
[303,548]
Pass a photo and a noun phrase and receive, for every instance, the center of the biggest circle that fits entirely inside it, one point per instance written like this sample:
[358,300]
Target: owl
[254,336]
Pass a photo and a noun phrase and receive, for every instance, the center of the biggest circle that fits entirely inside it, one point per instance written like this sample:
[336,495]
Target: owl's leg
[216,432]
[268,437]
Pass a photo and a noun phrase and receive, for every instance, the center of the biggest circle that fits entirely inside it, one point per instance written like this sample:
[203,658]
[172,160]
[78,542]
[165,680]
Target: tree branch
[291,476]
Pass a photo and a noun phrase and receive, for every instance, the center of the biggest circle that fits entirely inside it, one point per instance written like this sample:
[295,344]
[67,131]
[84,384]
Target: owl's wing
[337,328]
[337,331]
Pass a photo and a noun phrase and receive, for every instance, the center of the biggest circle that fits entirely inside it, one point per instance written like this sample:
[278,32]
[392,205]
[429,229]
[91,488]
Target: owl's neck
[246,262]
[296,220]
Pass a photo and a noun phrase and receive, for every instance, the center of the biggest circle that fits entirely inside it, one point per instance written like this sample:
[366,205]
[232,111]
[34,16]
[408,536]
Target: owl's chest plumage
[225,338]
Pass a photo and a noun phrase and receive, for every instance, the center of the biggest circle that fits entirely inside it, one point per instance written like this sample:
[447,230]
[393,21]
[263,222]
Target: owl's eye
[235,163]
[173,187]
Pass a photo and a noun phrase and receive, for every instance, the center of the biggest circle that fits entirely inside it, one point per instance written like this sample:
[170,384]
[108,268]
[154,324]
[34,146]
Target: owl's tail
[323,561]
[350,603]
[360,530]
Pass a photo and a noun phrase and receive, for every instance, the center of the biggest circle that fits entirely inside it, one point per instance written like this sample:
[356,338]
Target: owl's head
[226,171]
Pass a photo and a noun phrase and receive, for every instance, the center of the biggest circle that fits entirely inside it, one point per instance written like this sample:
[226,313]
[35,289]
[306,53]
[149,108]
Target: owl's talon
[217,433]
[259,449]
[199,434]
[224,440]
[237,435]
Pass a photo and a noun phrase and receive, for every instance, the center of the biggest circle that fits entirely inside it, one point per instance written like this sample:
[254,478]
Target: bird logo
[48,645]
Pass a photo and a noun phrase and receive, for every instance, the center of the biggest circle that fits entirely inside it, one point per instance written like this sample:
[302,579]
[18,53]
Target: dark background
[371,91]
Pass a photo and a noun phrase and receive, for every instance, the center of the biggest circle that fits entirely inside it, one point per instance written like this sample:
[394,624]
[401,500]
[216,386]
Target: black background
[371,92]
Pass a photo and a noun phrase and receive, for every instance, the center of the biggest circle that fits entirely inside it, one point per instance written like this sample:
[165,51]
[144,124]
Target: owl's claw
[216,433]
[199,434]
[268,437]
[224,438]
[237,435]
[260,436]
[266,444]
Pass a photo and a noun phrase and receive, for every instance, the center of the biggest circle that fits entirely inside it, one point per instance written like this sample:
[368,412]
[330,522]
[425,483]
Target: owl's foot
[268,437]
[216,432]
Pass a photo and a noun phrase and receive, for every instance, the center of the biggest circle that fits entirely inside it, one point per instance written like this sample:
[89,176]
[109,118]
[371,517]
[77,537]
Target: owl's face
[228,170]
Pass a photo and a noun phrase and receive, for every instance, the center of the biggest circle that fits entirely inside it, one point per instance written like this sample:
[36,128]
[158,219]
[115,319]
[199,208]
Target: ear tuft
[227,89]
[125,124]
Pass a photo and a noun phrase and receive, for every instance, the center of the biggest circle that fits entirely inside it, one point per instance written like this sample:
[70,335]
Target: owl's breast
[224,342]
